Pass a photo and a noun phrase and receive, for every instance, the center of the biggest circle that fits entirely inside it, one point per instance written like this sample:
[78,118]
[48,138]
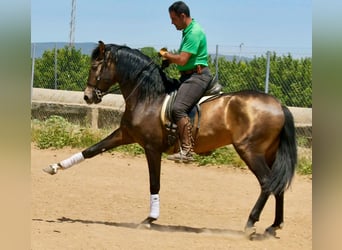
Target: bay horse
[259,127]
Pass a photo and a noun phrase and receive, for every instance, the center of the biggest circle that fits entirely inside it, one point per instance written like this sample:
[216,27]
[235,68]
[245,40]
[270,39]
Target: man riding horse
[192,62]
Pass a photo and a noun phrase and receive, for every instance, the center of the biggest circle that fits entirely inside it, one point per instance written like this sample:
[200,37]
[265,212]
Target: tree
[290,80]
[71,69]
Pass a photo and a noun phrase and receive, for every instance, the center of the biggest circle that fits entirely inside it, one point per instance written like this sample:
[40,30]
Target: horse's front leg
[115,139]
[154,161]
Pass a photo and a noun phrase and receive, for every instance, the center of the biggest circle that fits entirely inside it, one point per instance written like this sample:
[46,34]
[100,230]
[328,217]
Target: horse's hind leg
[279,215]
[262,172]
[255,213]
[259,167]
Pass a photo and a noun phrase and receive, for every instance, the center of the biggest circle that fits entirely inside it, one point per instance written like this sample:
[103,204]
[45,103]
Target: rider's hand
[163,52]
[165,61]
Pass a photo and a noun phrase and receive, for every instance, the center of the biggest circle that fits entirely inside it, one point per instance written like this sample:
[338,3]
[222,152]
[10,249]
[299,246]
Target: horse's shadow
[164,228]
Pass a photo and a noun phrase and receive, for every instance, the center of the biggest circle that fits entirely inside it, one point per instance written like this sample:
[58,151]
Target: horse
[258,126]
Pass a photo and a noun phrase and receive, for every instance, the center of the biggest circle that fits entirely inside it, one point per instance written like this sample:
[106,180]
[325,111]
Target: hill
[39,48]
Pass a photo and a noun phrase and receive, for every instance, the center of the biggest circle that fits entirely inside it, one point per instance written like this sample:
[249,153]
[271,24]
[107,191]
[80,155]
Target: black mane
[133,66]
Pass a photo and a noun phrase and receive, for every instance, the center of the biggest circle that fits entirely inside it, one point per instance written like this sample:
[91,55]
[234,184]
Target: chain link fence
[288,76]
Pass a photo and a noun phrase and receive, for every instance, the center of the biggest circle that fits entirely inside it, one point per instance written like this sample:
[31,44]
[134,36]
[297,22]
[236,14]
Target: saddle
[213,91]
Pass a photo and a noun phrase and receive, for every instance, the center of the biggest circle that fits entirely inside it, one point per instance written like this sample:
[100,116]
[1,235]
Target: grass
[221,156]
[57,132]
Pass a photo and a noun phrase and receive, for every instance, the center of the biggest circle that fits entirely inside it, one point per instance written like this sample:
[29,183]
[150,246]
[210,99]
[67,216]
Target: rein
[138,75]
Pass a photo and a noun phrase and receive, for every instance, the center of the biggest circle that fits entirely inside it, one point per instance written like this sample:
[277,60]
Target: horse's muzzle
[90,96]
[92,100]
[87,99]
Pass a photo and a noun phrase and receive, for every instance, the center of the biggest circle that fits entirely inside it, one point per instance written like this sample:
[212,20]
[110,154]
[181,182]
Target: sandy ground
[100,203]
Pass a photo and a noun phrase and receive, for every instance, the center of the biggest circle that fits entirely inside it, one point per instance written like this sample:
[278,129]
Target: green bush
[131,149]
[304,166]
[221,156]
[57,132]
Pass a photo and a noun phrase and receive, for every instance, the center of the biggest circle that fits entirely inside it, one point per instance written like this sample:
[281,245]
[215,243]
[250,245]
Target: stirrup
[180,157]
[52,169]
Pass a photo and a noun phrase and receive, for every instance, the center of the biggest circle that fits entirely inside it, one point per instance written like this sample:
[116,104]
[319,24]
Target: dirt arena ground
[100,203]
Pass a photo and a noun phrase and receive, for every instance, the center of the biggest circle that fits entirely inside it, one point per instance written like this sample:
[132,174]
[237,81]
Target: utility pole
[241,44]
[72,24]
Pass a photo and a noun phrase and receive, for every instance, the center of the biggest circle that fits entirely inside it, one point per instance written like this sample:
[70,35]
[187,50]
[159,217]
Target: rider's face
[178,20]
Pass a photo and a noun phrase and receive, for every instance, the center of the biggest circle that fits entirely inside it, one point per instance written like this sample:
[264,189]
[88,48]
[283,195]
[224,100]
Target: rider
[192,62]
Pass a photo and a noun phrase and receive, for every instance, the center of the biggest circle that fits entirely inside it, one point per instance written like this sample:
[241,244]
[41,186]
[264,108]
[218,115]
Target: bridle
[99,93]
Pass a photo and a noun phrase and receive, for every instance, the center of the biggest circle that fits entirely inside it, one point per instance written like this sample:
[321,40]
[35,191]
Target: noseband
[99,93]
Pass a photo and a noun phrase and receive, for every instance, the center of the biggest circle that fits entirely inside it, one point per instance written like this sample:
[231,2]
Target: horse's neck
[128,90]
[142,81]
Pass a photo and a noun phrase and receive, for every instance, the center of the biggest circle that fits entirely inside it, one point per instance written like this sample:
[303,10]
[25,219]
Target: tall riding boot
[185,135]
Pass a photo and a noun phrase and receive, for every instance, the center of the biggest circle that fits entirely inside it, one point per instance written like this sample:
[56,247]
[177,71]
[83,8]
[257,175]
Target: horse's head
[101,74]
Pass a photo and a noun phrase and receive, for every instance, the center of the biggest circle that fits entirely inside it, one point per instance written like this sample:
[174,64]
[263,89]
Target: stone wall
[70,104]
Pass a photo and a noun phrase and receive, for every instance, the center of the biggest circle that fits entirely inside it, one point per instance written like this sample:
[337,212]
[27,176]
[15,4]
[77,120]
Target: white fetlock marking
[154,206]
[52,169]
[55,167]
[76,158]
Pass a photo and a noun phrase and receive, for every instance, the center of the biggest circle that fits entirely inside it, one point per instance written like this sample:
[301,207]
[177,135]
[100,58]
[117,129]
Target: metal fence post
[267,71]
[55,66]
[216,63]
[33,55]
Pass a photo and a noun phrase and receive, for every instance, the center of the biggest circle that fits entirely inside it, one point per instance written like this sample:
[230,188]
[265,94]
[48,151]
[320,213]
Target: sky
[236,26]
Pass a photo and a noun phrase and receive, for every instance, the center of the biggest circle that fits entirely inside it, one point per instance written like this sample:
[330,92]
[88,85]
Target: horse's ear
[101,48]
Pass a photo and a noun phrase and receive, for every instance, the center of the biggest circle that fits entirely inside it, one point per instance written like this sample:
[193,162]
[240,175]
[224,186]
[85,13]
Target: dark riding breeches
[190,92]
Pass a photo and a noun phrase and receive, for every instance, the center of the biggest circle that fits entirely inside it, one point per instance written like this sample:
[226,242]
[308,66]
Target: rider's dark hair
[180,7]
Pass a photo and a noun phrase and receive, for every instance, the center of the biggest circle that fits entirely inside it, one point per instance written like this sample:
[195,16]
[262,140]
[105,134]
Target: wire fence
[288,76]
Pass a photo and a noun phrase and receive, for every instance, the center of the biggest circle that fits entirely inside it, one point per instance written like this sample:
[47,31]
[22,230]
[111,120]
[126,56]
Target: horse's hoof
[148,220]
[270,232]
[146,224]
[52,169]
[250,232]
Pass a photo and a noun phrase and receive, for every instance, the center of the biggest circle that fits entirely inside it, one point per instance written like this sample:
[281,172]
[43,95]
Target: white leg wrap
[76,158]
[154,206]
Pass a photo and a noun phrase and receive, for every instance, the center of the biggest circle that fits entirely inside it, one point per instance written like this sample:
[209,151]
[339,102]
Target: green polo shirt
[194,41]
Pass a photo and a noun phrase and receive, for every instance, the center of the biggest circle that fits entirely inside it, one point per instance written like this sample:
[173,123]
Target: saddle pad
[165,119]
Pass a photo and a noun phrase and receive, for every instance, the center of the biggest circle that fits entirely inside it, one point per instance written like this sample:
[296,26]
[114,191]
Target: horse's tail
[283,168]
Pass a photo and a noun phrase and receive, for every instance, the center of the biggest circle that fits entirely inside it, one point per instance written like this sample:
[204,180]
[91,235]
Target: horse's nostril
[86,98]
